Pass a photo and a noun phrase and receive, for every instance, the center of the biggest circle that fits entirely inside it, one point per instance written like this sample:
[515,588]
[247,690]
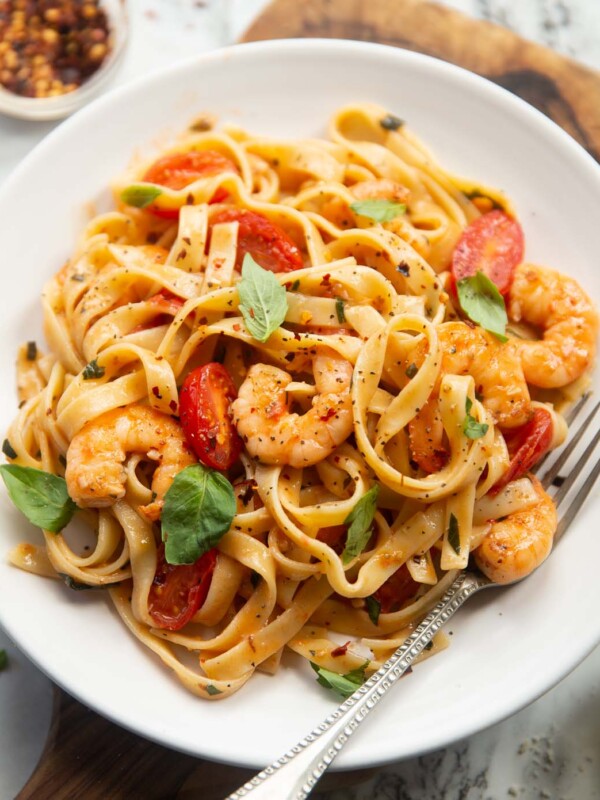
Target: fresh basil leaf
[473,429]
[391,122]
[378,210]
[198,509]
[360,520]
[373,609]
[140,196]
[92,370]
[344,685]
[40,496]
[481,301]
[212,690]
[453,535]
[8,450]
[3,660]
[339,309]
[263,300]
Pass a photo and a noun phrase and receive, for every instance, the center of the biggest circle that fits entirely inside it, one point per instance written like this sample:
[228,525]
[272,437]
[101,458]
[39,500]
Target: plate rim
[281,47]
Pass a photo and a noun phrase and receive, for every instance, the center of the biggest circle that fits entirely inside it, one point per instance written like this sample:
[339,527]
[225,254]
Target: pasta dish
[290,389]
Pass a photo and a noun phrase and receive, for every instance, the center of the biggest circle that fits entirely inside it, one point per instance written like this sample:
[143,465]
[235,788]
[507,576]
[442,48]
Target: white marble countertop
[549,750]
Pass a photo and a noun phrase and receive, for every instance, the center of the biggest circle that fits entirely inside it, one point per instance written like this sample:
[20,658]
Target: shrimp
[384,188]
[95,471]
[273,435]
[499,379]
[558,306]
[517,545]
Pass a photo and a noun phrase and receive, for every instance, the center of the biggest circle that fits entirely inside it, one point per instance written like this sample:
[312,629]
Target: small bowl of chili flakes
[55,55]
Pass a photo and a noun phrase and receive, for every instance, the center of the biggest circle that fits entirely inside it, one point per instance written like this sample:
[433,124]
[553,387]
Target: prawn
[274,435]
[499,379]
[96,474]
[517,545]
[558,306]
[384,188]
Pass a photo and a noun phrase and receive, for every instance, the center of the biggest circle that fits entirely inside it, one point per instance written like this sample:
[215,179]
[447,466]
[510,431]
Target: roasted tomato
[267,243]
[178,170]
[398,588]
[178,591]
[493,244]
[526,446]
[204,402]
[335,536]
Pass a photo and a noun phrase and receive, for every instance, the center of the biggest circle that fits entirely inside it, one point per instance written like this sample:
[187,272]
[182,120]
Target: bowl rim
[476,84]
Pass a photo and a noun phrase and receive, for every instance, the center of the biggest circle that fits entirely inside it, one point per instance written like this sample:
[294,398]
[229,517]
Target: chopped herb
[344,685]
[474,194]
[31,354]
[339,309]
[92,370]
[473,429]
[411,370]
[391,122]
[453,535]
[378,210]
[40,496]
[212,690]
[199,508]
[73,584]
[8,449]
[295,285]
[481,301]
[373,609]
[140,196]
[3,660]
[360,520]
[262,300]
[77,276]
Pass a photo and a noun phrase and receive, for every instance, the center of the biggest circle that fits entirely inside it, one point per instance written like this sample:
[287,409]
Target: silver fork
[295,774]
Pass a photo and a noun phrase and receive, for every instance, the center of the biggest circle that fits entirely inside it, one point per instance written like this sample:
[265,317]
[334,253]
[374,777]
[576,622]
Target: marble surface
[550,749]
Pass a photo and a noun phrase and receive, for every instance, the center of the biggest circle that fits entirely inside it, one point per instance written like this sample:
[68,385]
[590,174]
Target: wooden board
[92,759]
[566,91]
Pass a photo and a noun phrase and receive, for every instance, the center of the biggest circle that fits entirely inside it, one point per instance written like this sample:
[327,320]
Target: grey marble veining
[549,751]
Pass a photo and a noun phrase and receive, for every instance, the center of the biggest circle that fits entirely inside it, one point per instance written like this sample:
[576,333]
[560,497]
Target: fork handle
[295,774]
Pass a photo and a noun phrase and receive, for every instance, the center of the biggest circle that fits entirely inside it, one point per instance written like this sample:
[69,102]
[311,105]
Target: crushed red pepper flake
[51,47]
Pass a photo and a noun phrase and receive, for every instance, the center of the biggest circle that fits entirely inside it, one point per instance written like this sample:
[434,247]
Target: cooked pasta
[282,392]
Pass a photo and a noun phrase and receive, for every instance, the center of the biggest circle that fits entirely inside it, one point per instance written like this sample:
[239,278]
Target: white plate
[508,647]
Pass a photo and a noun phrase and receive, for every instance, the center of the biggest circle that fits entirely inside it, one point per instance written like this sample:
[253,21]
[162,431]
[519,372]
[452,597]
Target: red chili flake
[328,414]
[173,405]
[155,392]
[252,313]
[237,327]
[325,279]
[340,651]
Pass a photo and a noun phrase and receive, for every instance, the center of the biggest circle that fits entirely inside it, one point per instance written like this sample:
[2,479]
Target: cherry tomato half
[178,591]
[398,588]
[204,402]
[526,445]
[493,244]
[267,243]
[178,170]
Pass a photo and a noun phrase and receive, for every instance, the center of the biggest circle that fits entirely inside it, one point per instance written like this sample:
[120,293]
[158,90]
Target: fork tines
[584,470]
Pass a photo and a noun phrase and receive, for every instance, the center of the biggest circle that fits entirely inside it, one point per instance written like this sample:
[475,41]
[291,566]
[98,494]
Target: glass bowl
[48,108]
